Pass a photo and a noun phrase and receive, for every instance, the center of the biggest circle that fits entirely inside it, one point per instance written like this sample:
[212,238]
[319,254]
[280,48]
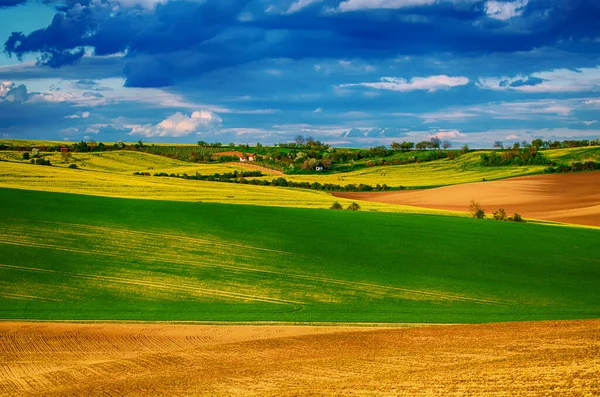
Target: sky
[354,73]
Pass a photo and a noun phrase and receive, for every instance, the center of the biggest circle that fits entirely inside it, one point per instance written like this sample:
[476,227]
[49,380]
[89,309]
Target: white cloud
[448,134]
[557,80]
[83,115]
[10,92]
[318,110]
[178,125]
[301,4]
[430,84]
[505,10]
[588,123]
[354,5]
[512,137]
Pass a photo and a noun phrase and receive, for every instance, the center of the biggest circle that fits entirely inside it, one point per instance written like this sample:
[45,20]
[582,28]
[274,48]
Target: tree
[396,146]
[476,210]
[202,143]
[464,149]
[446,145]
[422,145]
[498,145]
[516,146]
[25,155]
[435,142]
[353,207]
[537,143]
[336,206]
[408,145]
[517,218]
[300,140]
[500,215]
[120,145]
[101,147]
[139,144]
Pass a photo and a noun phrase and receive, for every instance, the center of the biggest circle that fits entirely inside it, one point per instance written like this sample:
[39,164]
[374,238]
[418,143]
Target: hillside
[73,257]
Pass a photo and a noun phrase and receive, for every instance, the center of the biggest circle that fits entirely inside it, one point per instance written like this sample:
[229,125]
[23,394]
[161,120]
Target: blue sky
[348,72]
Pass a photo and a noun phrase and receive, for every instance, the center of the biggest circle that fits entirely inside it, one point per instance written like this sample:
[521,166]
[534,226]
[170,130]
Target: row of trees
[434,143]
[549,144]
[478,212]
[516,156]
[240,177]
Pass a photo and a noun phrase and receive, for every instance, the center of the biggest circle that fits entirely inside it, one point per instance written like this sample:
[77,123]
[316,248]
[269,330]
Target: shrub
[73,166]
[25,155]
[336,206]
[500,215]
[353,207]
[517,218]
[32,161]
[476,210]
[479,214]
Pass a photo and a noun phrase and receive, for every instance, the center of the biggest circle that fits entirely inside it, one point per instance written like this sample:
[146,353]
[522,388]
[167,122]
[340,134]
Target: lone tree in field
[476,210]
[353,207]
[336,206]
[500,215]
[498,145]
[447,145]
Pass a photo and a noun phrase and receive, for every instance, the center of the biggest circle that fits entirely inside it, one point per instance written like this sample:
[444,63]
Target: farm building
[250,157]
[64,150]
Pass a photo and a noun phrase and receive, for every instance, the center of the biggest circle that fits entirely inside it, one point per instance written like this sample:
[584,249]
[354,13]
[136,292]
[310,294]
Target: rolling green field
[75,257]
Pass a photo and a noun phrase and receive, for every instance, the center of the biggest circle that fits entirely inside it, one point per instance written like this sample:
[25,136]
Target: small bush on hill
[25,155]
[41,161]
[516,218]
[336,206]
[476,210]
[353,207]
[500,215]
[73,166]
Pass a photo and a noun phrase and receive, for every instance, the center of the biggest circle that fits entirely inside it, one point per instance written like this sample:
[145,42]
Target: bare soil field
[528,359]
[569,198]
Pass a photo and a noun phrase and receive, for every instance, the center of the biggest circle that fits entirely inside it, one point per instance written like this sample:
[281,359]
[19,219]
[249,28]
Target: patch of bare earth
[527,359]
[569,198]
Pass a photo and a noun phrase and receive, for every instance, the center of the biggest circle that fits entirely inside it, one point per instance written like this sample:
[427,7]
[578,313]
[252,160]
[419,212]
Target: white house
[251,157]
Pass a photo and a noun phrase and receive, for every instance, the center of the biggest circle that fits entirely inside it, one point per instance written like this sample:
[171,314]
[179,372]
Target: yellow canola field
[128,162]
[60,179]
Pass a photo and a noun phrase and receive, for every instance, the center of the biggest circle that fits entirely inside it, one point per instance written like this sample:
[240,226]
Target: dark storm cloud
[177,40]
[11,3]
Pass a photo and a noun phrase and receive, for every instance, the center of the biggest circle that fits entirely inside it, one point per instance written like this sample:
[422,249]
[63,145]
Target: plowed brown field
[569,198]
[529,359]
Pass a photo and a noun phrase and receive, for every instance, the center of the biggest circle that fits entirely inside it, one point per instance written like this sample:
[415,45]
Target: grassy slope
[463,169]
[82,257]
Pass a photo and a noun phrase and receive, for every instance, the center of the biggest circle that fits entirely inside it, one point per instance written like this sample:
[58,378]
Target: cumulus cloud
[178,125]
[10,92]
[430,84]
[503,10]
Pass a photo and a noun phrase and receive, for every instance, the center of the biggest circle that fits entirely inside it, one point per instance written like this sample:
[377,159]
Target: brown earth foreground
[569,198]
[560,358]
